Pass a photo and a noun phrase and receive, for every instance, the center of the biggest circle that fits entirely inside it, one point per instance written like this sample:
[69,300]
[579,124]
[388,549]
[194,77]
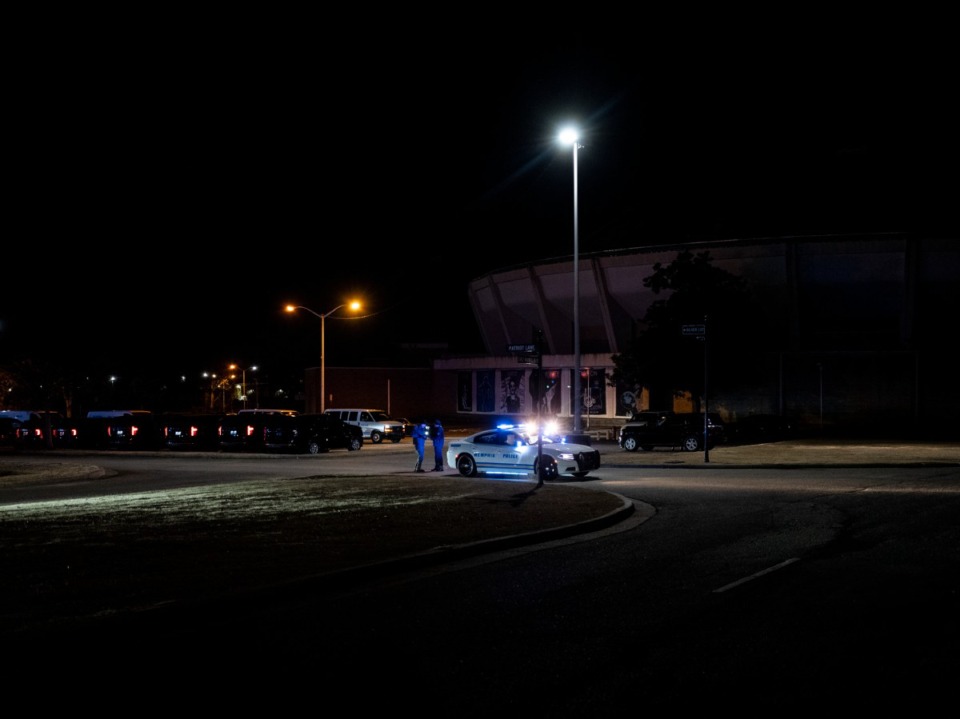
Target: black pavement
[381,525]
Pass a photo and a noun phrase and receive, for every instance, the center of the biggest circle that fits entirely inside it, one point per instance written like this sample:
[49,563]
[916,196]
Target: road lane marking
[757,575]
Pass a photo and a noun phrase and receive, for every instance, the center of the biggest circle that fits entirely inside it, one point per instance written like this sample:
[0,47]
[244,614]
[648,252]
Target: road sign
[526,349]
[694,330]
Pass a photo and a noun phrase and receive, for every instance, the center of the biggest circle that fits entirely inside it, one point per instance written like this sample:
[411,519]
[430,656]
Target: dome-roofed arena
[865,333]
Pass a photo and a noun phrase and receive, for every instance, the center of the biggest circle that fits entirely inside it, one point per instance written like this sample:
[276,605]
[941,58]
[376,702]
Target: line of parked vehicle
[278,430]
[246,431]
[648,430]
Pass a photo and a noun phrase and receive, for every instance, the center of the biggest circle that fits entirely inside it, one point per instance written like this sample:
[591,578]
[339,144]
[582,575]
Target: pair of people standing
[435,432]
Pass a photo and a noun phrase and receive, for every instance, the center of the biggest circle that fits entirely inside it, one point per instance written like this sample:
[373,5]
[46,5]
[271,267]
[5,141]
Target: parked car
[10,438]
[241,432]
[29,428]
[291,412]
[197,432]
[676,430]
[64,432]
[407,426]
[512,449]
[310,433]
[120,429]
[376,424]
[40,429]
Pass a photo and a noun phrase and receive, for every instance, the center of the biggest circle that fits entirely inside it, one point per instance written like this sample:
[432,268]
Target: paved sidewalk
[806,452]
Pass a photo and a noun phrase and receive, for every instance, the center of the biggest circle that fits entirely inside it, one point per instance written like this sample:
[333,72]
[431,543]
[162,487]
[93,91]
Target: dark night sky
[172,190]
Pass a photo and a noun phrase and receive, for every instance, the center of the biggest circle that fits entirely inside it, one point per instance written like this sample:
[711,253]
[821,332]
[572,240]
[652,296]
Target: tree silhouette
[669,363]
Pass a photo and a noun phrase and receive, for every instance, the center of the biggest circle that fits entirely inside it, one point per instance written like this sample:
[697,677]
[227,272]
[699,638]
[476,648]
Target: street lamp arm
[317,314]
[354,305]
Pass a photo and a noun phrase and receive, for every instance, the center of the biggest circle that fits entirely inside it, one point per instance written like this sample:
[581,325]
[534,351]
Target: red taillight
[194,431]
[250,430]
[133,430]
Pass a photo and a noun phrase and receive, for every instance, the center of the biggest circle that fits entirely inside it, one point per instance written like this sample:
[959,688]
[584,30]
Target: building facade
[869,323]
[868,320]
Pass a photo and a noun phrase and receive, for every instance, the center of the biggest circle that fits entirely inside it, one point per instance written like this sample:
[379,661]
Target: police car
[516,450]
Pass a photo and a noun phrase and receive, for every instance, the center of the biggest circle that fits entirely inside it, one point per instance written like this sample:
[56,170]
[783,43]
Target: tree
[26,384]
[664,360]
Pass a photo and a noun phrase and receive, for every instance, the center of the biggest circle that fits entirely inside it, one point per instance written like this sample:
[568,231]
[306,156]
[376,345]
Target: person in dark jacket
[420,432]
[436,434]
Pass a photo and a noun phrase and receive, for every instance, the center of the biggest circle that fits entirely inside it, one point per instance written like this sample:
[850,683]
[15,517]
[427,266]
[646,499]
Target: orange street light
[353,306]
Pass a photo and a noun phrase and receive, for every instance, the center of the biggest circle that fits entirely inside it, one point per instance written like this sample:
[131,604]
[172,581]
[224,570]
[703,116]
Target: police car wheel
[466,465]
[549,471]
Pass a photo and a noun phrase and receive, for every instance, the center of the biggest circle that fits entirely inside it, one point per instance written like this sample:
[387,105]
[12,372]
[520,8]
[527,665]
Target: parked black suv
[246,430]
[196,432]
[310,433]
[43,428]
[120,429]
[63,432]
[684,431]
[11,439]
[241,432]
[28,428]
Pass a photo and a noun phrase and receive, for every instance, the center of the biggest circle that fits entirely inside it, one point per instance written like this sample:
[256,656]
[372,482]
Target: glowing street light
[354,306]
[243,380]
[570,136]
[218,383]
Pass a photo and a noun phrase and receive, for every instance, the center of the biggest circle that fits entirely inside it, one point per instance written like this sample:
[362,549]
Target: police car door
[512,453]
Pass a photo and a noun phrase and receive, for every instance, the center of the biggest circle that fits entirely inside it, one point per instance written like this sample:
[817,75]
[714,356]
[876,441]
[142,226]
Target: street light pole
[353,305]
[323,361]
[570,136]
[243,380]
[820,369]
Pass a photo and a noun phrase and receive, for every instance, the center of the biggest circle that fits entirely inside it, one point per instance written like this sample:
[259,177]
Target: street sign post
[531,354]
[700,332]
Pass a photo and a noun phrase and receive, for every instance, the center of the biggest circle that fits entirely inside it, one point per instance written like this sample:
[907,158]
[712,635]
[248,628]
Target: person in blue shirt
[419,435]
[436,434]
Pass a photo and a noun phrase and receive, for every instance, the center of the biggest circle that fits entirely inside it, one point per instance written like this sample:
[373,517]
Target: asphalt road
[775,577]
[134,531]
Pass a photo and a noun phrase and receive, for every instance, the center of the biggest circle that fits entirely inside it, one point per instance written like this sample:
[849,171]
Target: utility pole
[706,392]
[538,343]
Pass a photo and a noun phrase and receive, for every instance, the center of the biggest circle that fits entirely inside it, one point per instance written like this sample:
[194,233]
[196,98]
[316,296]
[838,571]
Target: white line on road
[758,574]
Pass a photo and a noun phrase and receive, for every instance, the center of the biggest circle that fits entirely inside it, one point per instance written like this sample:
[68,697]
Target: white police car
[514,450]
